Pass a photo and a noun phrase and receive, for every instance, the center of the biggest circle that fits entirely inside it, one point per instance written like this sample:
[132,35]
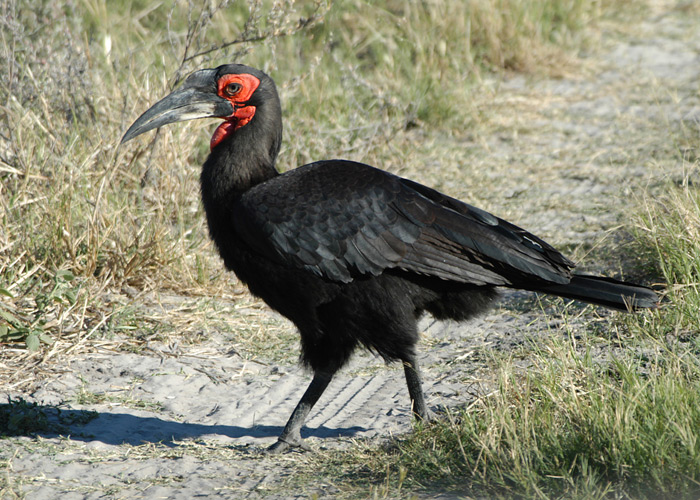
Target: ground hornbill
[351,254]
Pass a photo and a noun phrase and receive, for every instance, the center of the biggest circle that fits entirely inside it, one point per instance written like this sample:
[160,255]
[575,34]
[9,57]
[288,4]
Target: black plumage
[351,254]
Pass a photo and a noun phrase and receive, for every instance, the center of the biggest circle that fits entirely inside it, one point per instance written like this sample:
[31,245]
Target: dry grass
[124,223]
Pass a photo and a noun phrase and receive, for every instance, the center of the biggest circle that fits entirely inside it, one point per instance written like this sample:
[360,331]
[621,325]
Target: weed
[19,417]
[49,303]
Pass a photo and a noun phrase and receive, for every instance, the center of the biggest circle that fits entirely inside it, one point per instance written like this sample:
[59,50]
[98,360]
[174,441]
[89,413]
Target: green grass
[19,417]
[570,429]
[574,425]
[669,231]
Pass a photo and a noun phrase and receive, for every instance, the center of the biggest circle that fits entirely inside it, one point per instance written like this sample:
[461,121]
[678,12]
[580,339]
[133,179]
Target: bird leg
[415,389]
[291,435]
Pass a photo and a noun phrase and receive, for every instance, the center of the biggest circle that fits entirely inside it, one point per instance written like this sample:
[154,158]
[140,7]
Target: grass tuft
[574,425]
[669,230]
[569,428]
[19,417]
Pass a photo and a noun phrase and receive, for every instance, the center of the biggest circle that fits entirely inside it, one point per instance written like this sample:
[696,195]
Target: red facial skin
[237,89]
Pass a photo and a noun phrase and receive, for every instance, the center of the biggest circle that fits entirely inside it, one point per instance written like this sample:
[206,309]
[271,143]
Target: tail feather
[607,292]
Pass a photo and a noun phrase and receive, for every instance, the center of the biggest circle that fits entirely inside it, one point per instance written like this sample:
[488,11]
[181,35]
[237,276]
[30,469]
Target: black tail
[605,292]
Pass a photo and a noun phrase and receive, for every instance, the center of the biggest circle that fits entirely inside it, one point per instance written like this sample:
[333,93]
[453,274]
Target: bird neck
[241,161]
[225,178]
[236,165]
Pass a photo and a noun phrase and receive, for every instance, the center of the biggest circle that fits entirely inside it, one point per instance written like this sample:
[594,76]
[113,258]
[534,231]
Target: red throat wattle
[239,118]
[237,89]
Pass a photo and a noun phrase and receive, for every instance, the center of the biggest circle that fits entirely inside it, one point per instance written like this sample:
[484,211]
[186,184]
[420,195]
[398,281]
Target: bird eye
[232,89]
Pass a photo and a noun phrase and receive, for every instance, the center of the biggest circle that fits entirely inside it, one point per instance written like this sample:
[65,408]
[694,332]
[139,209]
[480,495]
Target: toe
[287,444]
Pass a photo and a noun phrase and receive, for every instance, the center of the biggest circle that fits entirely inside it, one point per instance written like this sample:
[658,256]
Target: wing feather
[342,219]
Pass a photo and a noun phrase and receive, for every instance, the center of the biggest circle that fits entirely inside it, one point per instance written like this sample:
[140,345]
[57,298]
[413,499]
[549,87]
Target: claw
[429,416]
[283,445]
[277,448]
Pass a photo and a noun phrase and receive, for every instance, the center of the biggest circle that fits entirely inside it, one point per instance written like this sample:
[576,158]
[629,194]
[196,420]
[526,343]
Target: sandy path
[189,424]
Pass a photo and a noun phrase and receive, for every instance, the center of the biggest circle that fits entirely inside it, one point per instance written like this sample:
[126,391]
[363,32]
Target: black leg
[291,435]
[415,389]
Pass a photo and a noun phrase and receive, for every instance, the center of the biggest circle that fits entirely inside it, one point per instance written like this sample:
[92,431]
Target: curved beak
[196,98]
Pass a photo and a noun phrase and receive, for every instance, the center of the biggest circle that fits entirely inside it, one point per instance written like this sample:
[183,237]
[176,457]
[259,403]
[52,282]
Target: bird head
[232,92]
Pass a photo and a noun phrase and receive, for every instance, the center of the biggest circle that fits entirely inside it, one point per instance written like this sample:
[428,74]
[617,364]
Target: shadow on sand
[115,428]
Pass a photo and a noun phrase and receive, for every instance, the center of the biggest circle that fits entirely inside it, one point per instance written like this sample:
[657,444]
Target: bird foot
[286,444]
[430,416]
[425,415]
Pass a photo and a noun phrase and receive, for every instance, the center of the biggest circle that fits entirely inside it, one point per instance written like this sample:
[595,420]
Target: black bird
[351,254]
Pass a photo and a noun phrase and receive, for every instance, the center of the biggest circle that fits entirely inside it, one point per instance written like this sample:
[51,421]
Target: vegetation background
[88,230]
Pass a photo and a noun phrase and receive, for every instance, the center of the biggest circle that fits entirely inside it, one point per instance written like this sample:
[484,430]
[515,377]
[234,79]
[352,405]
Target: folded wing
[342,220]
